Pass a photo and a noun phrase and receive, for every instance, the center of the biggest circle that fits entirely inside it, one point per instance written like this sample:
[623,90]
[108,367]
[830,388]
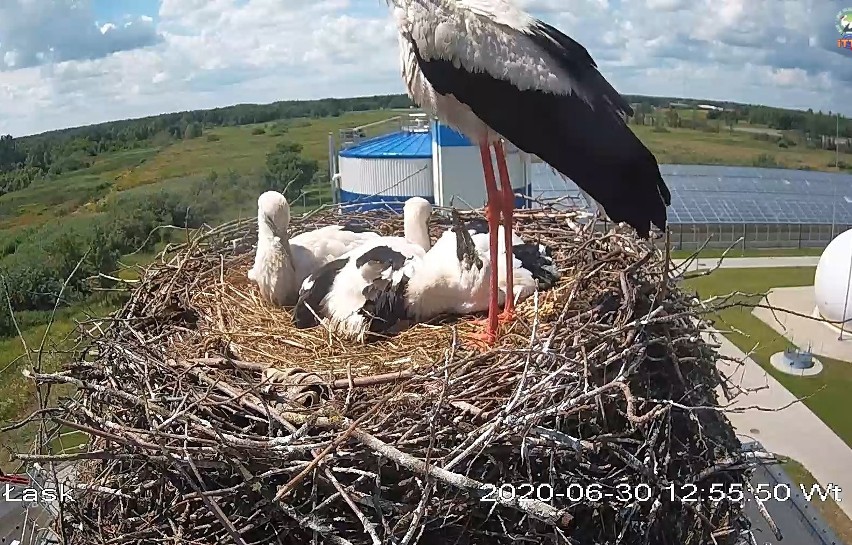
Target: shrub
[766,160]
[258,130]
[213,138]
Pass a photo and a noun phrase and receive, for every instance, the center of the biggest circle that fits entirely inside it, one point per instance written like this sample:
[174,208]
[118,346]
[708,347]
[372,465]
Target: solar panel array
[722,194]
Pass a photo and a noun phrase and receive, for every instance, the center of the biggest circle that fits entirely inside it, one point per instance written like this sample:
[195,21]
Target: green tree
[193,130]
[287,170]
[672,118]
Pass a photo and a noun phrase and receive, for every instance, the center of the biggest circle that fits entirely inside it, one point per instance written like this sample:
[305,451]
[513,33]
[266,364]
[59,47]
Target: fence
[754,235]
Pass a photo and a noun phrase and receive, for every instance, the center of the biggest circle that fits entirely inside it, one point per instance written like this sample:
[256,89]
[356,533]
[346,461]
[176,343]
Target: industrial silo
[423,159]
[387,170]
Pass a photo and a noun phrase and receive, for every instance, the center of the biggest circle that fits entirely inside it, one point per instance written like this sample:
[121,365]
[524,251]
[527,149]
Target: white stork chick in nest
[370,291]
[281,264]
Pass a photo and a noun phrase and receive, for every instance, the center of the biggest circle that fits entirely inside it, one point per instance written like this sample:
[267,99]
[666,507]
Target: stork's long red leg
[492,214]
[507,208]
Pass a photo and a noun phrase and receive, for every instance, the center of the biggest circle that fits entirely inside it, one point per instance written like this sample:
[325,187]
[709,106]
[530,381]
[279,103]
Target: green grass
[47,199]
[830,389]
[240,150]
[833,515]
[17,394]
[68,441]
[750,252]
[689,146]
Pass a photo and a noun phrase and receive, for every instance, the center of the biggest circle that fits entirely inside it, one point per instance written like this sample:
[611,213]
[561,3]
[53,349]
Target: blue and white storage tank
[425,159]
[387,169]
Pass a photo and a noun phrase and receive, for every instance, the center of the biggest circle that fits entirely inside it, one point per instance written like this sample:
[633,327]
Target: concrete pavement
[751,262]
[794,431]
[803,332]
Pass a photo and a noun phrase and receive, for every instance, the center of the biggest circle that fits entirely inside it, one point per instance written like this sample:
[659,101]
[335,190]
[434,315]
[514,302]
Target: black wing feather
[539,264]
[591,145]
[385,308]
[575,59]
[357,226]
[308,309]
[477,225]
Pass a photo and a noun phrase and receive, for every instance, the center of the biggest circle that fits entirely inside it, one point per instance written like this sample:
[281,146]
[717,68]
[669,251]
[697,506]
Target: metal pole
[330,154]
[837,144]
[26,519]
[846,302]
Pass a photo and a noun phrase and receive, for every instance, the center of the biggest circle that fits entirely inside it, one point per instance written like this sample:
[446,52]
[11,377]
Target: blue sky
[74,62]
[112,10]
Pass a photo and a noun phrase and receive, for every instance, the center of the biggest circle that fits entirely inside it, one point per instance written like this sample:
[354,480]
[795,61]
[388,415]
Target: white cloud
[207,53]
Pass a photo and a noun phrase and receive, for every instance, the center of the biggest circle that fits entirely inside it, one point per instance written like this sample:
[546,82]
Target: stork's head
[273,211]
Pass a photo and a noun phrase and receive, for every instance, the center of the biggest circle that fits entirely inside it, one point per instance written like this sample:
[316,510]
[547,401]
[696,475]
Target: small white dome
[831,283]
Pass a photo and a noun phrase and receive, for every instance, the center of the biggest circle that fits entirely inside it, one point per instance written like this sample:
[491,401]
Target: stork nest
[212,419]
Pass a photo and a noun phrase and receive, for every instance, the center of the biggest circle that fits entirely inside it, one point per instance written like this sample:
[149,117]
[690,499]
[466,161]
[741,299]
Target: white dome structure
[832,280]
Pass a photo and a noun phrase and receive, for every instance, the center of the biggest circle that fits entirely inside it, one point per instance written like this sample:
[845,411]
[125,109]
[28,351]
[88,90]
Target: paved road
[752,262]
[790,520]
[758,130]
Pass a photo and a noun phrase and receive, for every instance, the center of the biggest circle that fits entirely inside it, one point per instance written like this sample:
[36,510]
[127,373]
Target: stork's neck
[265,229]
[417,231]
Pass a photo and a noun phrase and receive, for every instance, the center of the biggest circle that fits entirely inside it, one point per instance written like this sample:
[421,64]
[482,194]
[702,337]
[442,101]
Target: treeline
[23,160]
[809,123]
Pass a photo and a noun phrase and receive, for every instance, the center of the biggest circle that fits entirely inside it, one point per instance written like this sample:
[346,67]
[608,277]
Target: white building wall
[389,177]
[459,174]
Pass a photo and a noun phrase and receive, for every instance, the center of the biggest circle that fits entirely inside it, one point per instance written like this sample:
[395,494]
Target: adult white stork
[281,263]
[492,71]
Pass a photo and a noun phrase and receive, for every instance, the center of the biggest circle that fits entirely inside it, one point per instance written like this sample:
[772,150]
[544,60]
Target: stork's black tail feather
[536,258]
[465,247]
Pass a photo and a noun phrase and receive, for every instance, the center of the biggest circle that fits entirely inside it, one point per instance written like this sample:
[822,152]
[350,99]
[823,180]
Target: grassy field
[238,149]
[689,146]
[829,390]
[830,511]
[17,394]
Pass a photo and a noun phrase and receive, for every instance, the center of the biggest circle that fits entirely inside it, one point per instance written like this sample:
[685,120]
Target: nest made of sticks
[213,420]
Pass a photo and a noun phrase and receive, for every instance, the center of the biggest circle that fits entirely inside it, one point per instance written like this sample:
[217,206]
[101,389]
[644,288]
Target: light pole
[837,143]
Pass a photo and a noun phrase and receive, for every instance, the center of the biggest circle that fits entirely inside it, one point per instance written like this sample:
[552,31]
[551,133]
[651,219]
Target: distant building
[711,107]
[679,105]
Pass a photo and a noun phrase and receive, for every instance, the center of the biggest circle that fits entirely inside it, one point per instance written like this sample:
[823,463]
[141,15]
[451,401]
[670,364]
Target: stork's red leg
[508,206]
[492,214]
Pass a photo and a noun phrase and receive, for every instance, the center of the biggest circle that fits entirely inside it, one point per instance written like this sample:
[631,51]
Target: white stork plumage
[281,263]
[533,267]
[376,287]
[492,72]
[372,289]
